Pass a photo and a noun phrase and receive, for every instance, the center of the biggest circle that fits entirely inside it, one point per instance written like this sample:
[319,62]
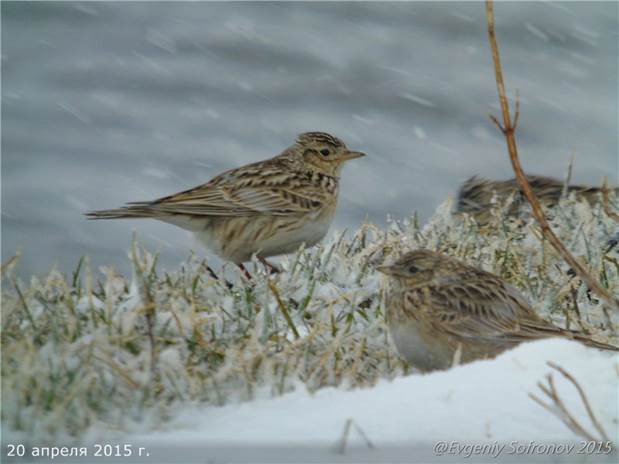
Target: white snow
[483,402]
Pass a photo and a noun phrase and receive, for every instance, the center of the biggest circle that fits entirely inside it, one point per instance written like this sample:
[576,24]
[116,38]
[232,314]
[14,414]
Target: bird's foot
[245,272]
[272,268]
[216,277]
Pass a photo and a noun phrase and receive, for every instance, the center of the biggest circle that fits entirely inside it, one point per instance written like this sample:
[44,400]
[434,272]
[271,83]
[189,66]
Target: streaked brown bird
[266,208]
[437,306]
[476,195]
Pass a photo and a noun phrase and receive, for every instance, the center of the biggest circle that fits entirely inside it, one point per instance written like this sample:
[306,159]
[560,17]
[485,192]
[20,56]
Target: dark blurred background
[104,103]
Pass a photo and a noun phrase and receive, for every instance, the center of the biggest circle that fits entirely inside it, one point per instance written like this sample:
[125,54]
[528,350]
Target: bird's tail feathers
[131,211]
[589,341]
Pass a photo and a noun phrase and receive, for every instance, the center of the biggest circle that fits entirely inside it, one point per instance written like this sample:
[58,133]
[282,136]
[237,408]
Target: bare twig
[341,448]
[497,123]
[606,203]
[508,130]
[517,115]
[583,398]
[360,431]
[558,408]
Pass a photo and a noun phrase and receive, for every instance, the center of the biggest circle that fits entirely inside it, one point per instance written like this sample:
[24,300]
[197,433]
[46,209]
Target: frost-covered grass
[99,351]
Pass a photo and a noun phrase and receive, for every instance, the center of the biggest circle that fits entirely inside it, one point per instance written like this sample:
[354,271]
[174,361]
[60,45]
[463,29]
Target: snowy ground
[197,369]
[485,402]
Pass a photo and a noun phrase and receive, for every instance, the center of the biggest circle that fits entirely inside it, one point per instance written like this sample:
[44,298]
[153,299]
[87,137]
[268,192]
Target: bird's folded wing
[468,310]
[223,200]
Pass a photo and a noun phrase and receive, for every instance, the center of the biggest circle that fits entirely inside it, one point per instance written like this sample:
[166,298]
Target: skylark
[266,208]
[438,308]
[476,195]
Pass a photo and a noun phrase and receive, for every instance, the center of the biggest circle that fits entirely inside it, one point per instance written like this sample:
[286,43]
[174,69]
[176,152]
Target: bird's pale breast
[236,239]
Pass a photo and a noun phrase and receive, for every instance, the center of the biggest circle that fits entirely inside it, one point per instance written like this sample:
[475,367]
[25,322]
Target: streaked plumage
[436,304]
[266,208]
[476,195]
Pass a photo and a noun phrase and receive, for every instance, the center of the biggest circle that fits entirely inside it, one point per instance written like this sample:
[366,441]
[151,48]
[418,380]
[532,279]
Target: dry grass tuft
[96,350]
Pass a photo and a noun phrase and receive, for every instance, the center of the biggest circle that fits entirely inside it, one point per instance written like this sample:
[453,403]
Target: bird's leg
[272,268]
[215,276]
[245,272]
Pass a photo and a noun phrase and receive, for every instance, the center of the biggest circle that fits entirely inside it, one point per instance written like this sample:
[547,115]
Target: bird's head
[323,152]
[423,267]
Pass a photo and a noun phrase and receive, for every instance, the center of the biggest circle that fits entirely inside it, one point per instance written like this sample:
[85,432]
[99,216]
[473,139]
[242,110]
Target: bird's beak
[352,155]
[384,270]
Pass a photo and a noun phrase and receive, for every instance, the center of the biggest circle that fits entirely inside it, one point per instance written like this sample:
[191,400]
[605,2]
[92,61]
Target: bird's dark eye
[325,152]
[413,269]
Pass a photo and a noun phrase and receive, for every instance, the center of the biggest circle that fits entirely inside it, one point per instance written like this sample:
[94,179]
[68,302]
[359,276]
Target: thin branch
[517,116]
[341,448]
[343,442]
[498,124]
[558,408]
[367,440]
[509,133]
[583,398]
